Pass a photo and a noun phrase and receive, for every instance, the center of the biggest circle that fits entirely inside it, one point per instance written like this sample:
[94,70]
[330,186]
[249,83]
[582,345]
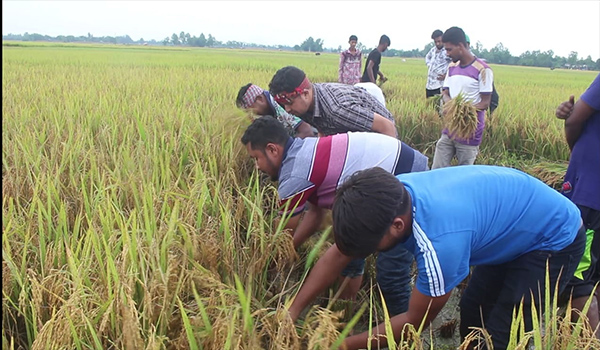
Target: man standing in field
[511,226]
[495,100]
[374,60]
[332,108]
[310,170]
[350,63]
[260,102]
[582,186]
[437,62]
[473,78]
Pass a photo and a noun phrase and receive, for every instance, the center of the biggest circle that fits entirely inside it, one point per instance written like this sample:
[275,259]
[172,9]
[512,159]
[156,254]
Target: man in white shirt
[437,65]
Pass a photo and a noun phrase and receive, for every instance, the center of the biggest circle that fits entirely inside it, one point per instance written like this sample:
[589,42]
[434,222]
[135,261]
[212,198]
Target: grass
[133,219]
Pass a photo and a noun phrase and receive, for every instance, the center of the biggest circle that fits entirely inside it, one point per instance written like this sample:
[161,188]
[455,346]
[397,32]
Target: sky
[561,26]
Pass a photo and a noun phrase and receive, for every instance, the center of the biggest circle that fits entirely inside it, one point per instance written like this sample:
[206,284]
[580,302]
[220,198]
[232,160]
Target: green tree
[175,39]
[202,40]
[572,59]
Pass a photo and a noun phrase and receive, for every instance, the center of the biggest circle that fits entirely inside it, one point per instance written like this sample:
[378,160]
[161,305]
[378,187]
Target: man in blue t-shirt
[502,221]
[582,186]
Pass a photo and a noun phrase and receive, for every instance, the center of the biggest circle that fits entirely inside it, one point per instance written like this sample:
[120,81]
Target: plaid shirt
[340,108]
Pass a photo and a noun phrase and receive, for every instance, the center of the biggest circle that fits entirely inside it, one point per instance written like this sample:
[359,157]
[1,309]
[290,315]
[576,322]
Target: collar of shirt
[317,110]
[288,144]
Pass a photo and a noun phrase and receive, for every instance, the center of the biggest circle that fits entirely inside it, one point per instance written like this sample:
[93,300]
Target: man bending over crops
[507,224]
[332,108]
[472,79]
[260,102]
[310,170]
[582,186]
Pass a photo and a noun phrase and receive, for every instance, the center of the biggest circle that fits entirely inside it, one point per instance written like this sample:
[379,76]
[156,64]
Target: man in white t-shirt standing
[473,78]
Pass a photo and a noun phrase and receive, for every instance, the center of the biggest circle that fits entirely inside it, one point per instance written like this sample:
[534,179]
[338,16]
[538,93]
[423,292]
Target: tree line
[498,54]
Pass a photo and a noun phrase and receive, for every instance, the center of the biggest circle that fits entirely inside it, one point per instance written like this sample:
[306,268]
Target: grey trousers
[446,149]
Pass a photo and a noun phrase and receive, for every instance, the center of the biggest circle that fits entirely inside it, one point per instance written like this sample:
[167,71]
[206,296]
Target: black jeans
[494,290]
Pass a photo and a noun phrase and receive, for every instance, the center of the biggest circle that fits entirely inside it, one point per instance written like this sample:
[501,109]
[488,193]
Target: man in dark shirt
[373,61]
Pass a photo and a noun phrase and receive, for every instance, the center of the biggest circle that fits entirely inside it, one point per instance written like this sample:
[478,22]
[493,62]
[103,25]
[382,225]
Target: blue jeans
[393,276]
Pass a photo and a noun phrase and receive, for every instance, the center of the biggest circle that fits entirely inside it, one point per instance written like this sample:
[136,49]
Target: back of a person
[374,90]
[332,100]
[326,162]
[501,213]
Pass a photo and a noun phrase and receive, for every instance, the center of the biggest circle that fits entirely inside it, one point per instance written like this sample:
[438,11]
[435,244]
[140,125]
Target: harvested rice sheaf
[460,117]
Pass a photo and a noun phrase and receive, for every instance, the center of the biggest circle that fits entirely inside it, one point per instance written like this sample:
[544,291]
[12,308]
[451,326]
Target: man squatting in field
[506,223]
[470,76]
[332,108]
[582,186]
[261,102]
[310,170]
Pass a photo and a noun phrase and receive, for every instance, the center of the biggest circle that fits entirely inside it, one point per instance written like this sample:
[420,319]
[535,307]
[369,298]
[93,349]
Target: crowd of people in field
[334,146]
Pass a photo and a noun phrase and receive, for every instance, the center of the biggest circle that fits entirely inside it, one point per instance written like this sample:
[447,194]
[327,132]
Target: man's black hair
[239,101]
[286,80]
[436,33]
[385,40]
[353,37]
[264,130]
[364,208]
[455,36]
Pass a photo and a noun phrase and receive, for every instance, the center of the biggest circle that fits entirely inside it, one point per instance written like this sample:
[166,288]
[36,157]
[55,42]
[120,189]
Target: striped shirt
[341,108]
[313,168]
[472,80]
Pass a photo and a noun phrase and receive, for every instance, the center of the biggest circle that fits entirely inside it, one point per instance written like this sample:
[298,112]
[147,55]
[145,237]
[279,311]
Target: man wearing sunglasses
[332,108]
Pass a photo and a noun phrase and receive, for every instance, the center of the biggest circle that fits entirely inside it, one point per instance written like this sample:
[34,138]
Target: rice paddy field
[132,217]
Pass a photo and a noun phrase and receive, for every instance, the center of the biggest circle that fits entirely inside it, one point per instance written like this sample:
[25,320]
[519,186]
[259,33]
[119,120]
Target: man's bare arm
[324,273]
[310,223]
[383,125]
[420,306]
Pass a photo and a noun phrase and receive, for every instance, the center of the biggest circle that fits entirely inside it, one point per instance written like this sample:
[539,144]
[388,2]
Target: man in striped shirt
[332,108]
[310,170]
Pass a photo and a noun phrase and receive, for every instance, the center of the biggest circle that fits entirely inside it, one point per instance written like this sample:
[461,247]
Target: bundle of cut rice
[461,117]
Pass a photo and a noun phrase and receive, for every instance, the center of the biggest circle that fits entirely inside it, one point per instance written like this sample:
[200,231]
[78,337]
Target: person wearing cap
[350,63]
[511,227]
[260,102]
[473,78]
[495,97]
[582,186]
[332,108]
[374,60]
[310,170]
[437,65]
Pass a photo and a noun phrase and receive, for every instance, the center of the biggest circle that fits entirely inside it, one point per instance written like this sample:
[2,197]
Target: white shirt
[374,90]
[437,63]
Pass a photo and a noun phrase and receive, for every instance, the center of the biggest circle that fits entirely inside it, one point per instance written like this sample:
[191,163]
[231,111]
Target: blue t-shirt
[582,180]
[481,215]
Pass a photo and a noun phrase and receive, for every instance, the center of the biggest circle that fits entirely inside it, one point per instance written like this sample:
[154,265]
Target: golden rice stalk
[461,117]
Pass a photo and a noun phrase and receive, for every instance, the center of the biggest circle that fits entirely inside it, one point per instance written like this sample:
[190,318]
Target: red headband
[286,97]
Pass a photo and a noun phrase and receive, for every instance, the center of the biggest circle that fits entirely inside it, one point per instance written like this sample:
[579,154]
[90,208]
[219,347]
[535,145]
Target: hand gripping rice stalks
[460,117]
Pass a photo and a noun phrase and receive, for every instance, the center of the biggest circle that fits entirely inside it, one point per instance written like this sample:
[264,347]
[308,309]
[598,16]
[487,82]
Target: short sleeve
[293,195]
[486,81]
[442,262]
[592,95]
